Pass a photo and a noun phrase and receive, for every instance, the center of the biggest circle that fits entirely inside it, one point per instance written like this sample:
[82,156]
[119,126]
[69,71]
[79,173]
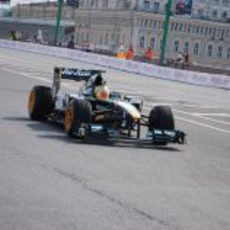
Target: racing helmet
[102,92]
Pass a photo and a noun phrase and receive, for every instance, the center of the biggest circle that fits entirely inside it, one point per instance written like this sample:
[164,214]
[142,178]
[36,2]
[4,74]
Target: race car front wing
[166,136]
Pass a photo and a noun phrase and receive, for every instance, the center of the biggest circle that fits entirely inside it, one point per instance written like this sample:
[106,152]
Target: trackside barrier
[190,77]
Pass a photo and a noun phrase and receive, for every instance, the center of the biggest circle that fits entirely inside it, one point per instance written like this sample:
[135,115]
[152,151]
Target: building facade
[213,10]
[107,24]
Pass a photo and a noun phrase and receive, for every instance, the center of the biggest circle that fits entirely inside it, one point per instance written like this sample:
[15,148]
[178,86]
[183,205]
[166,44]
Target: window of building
[77,37]
[172,26]
[194,29]
[222,34]
[142,22]
[146,22]
[206,31]
[196,49]
[82,36]
[160,25]
[101,39]
[210,50]
[189,28]
[210,31]
[228,53]
[150,23]
[226,2]
[105,4]
[201,30]
[176,26]
[219,51]
[106,39]
[142,41]
[152,42]
[214,14]
[118,38]
[154,24]
[186,47]
[87,37]
[200,12]
[224,15]
[180,27]
[176,46]
[112,37]
[146,5]
[156,6]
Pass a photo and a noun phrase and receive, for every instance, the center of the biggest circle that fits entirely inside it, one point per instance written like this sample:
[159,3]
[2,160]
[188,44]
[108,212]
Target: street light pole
[60,2]
[165,34]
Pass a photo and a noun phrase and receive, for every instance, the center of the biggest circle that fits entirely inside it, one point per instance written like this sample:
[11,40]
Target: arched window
[142,41]
[219,51]
[176,46]
[224,15]
[186,47]
[214,14]
[196,49]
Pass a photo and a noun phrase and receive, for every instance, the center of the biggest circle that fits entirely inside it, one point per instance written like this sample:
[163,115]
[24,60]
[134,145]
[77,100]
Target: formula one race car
[95,110]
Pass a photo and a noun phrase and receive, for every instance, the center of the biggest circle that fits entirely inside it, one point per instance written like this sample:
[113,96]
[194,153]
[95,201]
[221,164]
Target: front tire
[161,117]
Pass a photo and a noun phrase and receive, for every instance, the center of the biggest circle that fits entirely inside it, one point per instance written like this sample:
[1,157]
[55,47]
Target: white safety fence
[191,77]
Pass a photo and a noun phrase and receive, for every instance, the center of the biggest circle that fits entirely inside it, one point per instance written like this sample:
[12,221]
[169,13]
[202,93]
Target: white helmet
[102,92]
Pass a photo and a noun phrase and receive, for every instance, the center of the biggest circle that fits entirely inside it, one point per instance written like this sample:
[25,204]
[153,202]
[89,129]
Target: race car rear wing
[71,74]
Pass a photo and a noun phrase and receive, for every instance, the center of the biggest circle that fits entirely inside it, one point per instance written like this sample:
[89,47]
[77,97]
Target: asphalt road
[48,181]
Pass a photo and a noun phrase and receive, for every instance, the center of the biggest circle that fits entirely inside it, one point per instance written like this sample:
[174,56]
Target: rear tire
[40,103]
[77,112]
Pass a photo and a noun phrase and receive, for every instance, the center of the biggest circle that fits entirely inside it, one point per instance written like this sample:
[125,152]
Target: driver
[101,90]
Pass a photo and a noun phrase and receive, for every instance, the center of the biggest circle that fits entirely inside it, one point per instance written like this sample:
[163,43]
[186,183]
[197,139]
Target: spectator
[148,55]
[186,60]
[130,53]
[40,37]
[179,59]
[13,35]
[34,39]
[121,52]
[71,44]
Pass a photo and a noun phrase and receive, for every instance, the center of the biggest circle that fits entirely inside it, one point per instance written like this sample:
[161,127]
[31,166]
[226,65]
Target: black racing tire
[161,117]
[40,103]
[77,112]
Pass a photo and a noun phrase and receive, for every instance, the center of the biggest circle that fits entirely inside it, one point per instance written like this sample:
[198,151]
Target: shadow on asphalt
[97,140]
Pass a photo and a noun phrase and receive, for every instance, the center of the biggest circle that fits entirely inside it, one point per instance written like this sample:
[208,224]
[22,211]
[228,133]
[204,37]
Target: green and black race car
[95,110]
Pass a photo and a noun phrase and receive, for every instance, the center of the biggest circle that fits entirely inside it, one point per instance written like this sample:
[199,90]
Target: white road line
[201,106]
[197,122]
[204,118]
[213,114]
[203,125]
[26,75]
